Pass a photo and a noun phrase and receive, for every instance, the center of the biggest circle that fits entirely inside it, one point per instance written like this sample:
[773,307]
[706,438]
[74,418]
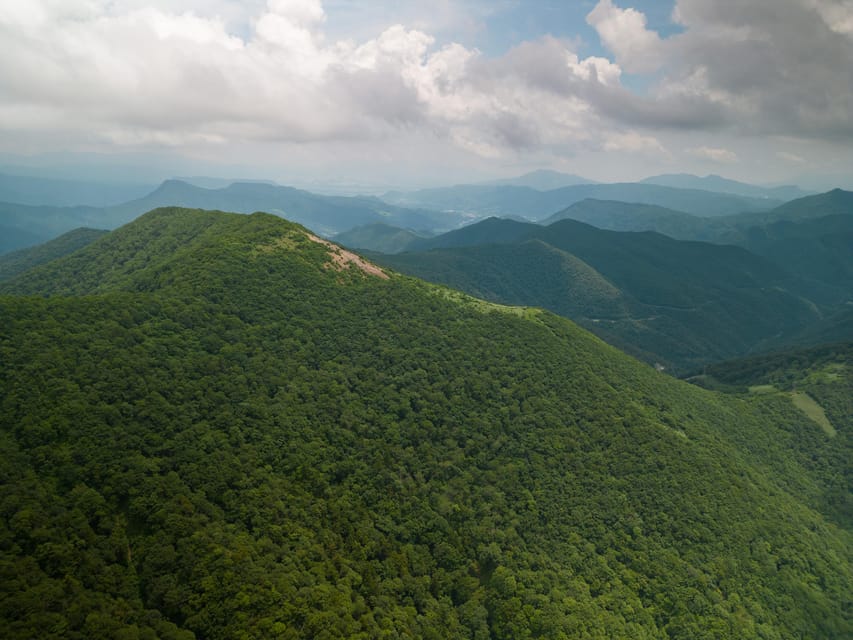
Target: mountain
[484,200]
[819,381]
[378,237]
[217,426]
[835,202]
[724,185]
[12,238]
[26,225]
[36,191]
[326,215]
[613,215]
[542,180]
[811,237]
[11,264]
[676,303]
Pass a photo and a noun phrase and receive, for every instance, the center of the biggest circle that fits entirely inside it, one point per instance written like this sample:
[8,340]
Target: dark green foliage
[11,264]
[675,303]
[208,429]
[824,373]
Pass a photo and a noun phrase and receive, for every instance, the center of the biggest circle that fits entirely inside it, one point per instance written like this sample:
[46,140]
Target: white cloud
[624,32]
[146,75]
[722,156]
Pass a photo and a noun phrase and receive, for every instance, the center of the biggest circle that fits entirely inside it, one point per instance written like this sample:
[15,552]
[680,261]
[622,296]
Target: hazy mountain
[217,427]
[12,237]
[835,202]
[539,205]
[625,216]
[326,215]
[542,180]
[11,264]
[724,185]
[378,237]
[28,225]
[65,193]
[667,301]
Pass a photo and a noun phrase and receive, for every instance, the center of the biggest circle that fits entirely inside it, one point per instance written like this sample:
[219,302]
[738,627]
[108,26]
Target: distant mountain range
[542,180]
[724,185]
[634,206]
[503,200]
[326,215]
[55,192]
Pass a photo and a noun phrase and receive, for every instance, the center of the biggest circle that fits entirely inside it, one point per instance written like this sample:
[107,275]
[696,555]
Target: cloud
[764,67]
[624,32]
[722,156]
[145,75]
[790,157]
[218,72]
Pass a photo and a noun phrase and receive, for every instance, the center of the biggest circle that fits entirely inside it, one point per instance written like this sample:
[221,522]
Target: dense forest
[215,426]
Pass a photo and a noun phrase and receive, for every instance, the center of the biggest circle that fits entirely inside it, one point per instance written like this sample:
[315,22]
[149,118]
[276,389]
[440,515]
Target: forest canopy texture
[214,426]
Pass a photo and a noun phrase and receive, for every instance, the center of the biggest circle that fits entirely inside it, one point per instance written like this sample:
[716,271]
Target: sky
[410,93]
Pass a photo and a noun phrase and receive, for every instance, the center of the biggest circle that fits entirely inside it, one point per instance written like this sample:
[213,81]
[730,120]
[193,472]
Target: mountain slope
[613,215]
[218,426]
[11,264]
[681,303]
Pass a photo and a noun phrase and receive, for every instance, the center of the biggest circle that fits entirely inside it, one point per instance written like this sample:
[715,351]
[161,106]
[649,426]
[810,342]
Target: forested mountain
[666,301]
[485,200]
[217,426]
[811,237]
[11,264]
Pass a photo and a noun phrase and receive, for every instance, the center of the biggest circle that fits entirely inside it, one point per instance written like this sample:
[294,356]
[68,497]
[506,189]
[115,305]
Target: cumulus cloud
[138,72]
[778,67]
[624,32]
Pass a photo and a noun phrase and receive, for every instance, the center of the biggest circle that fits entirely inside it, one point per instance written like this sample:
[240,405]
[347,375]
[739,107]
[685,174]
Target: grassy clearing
[762,389]
[813,410]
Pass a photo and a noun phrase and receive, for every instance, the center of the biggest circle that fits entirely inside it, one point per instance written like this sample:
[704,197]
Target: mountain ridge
[211,431]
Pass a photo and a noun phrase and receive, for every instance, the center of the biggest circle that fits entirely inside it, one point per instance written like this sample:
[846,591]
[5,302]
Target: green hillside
[217,426]
[11,264]
[818,381]
[679,304]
